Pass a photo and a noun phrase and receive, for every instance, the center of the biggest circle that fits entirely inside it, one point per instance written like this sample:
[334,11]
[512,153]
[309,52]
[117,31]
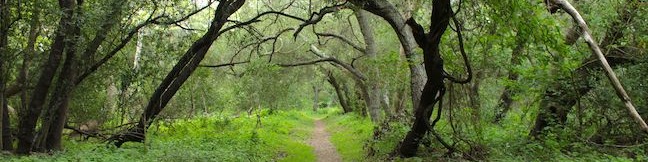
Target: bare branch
[343,39]
[223,65]
[348,67]
[172,22]
[317,16]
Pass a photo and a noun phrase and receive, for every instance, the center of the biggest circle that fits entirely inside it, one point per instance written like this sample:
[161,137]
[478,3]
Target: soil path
[324,150]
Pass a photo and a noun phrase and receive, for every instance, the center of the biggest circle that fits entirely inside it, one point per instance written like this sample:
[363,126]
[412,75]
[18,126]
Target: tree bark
[56,114]
[399,103]
[4,34]
[434,87]
[349,98]
[383,96]
[179,74]
[30,117]
[370,88]
[340,94]
[315,98]
[7,139]
[388,12]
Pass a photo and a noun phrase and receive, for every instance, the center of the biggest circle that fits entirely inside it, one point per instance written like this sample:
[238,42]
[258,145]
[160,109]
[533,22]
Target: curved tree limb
[463,54]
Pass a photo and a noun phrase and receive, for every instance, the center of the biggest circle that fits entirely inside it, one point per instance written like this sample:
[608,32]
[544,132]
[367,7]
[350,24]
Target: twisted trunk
[388,12]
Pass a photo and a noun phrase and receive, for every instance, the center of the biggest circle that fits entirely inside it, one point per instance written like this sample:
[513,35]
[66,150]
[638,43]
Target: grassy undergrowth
[283,136]
[351,134]
[280,136]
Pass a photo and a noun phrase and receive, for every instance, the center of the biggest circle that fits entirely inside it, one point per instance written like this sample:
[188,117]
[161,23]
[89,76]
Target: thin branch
[274,42]
[463,54]
[112,53]
[343,39]
[172,22]
[129,37]
[309,62]
[316,17]
[348,67]
[223,65]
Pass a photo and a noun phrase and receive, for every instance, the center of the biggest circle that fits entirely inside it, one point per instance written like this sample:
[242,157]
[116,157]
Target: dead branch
[552,6]
[86,133]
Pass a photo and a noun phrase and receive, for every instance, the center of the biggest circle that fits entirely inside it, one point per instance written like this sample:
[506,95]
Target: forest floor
[324,149]
[298,136]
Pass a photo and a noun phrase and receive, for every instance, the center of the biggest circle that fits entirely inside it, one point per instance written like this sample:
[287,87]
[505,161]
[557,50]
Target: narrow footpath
[324,149]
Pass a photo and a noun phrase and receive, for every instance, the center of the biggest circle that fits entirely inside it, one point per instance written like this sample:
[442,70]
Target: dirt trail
[324,149]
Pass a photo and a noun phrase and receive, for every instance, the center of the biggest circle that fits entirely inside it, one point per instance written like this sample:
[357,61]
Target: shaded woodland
[471,80]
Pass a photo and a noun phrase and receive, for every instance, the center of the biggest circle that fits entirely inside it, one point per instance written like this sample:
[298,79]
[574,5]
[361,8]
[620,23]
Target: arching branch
[316,17]
[463,55]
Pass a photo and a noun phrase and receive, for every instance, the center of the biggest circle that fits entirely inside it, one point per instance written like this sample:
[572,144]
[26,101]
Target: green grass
[281,136]
[349,133]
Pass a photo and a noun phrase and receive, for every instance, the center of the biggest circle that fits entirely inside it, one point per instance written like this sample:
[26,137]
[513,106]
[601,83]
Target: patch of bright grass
[349,133]
[281,136]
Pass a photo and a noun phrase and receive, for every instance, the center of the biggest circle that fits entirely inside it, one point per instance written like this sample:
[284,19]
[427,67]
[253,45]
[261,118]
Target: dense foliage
[236,80]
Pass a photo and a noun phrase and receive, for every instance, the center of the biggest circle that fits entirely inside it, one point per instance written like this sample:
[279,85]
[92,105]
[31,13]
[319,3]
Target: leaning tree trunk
[557,103]
[340,94]
[179,74]
[30,117]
